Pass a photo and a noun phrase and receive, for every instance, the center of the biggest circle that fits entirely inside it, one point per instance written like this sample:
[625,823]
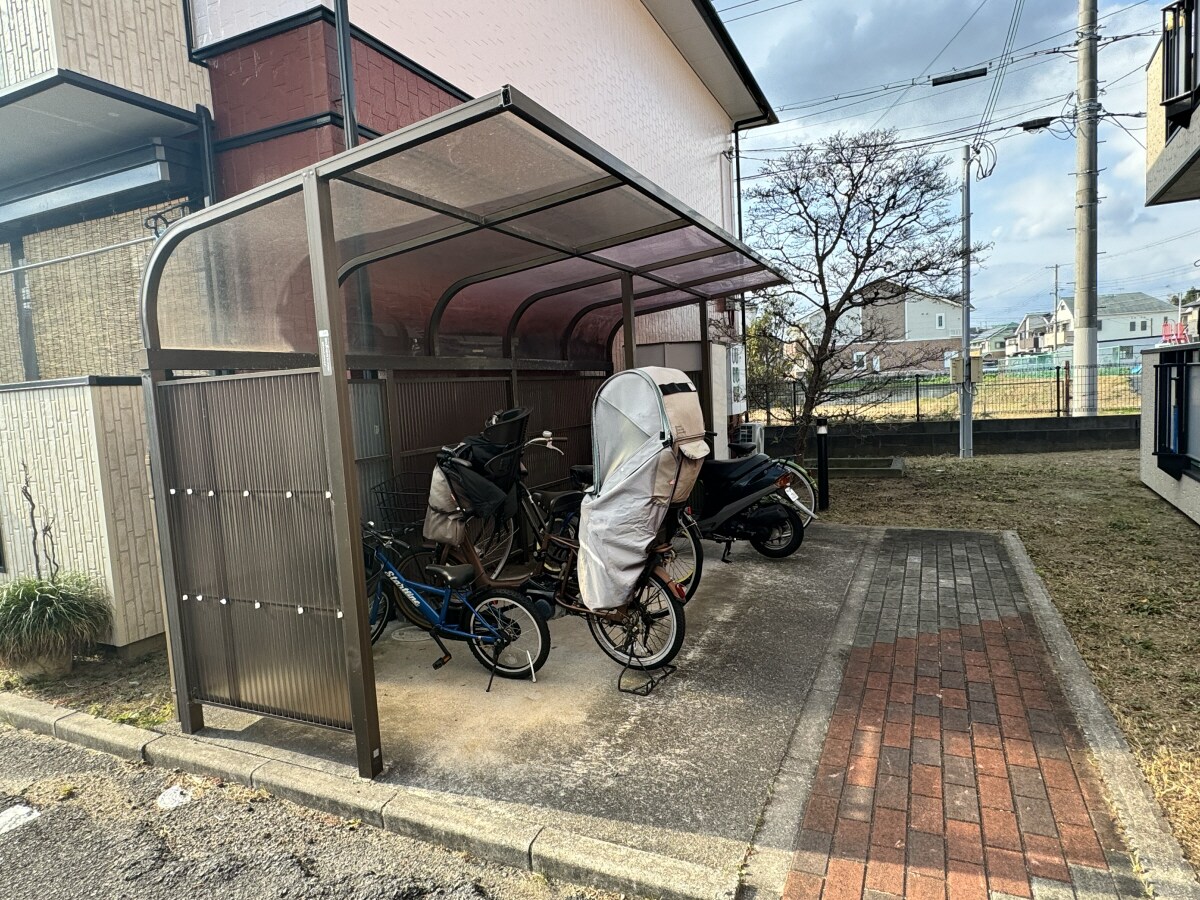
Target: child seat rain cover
[647,448]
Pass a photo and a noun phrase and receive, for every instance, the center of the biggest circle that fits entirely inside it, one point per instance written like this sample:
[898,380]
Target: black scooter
[746,499]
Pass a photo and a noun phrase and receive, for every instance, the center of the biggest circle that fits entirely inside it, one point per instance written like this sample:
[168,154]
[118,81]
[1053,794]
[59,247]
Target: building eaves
[701,37]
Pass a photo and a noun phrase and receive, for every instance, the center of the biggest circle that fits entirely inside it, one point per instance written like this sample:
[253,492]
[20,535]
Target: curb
[493,833]
[1146,830]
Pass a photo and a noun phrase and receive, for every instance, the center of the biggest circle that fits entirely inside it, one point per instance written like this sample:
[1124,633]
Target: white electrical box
[956,370]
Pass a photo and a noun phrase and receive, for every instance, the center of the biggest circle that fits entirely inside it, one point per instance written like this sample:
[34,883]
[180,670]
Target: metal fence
[1015,394]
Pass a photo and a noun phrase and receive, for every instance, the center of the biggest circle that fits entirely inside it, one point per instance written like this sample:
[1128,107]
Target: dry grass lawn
[1122,566]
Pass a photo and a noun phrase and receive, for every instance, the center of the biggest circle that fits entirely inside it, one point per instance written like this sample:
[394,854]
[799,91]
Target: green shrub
[40,617]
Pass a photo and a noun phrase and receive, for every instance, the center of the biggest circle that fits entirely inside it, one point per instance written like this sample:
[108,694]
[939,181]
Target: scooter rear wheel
[786,540]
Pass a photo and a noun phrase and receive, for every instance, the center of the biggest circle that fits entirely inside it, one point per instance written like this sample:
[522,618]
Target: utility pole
[966,432]
[1054,308]
[1083,397]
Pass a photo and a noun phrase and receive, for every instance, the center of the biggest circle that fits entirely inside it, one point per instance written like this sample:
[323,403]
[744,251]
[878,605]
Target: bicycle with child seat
[502,629]
[644,634]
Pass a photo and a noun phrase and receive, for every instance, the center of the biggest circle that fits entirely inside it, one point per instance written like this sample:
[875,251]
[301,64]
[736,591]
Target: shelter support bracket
[191,713]
[629,320]
[706,373]
[339,451]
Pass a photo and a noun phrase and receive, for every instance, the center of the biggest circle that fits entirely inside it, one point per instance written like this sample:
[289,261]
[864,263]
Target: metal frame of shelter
[489,229]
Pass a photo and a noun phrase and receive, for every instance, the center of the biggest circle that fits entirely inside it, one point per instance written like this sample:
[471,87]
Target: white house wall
[921,320]
[606,68]
[26,40]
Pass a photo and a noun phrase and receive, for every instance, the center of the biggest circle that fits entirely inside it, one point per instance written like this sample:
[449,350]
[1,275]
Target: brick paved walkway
[952,766]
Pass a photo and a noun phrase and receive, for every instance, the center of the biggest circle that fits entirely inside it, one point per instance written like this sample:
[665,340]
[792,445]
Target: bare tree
[856,222]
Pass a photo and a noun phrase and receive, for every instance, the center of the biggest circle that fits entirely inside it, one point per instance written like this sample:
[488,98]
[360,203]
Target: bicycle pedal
[438,663]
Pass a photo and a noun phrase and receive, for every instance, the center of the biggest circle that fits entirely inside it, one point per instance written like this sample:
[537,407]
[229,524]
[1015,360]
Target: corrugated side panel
[252,542]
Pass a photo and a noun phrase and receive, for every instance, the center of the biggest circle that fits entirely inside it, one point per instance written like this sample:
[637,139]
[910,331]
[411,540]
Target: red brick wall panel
[273,81]
[245,167]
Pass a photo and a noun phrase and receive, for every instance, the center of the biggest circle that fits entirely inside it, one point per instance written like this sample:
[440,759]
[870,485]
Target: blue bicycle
[503,630]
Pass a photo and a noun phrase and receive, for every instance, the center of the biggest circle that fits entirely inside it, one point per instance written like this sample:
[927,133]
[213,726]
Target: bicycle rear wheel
[652,633]
[686,563]
[526,636]
[806,499]
[493,542]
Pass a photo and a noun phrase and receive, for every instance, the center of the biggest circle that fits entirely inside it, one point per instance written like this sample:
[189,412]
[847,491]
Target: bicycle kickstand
[495,661]
[446,657]
[728,549]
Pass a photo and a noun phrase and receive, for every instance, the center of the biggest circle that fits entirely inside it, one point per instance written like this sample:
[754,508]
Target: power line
[925,71]
[909,82]
[998,81]
[759,12]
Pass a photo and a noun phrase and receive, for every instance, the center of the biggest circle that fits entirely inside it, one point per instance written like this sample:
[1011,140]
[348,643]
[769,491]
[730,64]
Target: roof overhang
[490,228]
[61,119]
[698,33]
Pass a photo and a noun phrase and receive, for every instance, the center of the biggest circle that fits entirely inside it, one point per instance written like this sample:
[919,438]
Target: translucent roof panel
[653,251]
[241,284]
[486,167]
[589,339]
[700,269]
[440,233]
[366,221]
[405,289]
[597,219]
[485,309]
[543,325]
[726,286]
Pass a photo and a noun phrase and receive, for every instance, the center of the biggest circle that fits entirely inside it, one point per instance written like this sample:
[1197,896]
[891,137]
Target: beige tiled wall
[26,42]
[1156,117]
[11,369]
[85,450]
[139,45]
[86,311]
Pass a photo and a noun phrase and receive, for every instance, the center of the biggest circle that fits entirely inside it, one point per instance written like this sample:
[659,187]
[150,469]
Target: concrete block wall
[84,446]
[26,40]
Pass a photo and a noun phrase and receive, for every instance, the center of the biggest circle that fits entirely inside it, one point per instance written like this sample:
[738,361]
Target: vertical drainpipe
[345,48]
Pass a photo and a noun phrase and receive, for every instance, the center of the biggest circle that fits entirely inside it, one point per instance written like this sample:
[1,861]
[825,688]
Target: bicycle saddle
[558,501]
[582,475]
[454,576]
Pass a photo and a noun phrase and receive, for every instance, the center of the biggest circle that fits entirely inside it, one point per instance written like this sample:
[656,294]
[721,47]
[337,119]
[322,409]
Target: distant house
[1126,323]
[1030,335]
[900,331]
[1191,318]
[991,342]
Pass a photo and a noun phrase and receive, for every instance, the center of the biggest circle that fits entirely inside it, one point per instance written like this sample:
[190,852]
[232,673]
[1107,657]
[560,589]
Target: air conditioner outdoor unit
[751,433]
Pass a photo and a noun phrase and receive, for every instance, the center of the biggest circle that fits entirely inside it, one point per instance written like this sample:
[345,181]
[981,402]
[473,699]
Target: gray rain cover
[640,465]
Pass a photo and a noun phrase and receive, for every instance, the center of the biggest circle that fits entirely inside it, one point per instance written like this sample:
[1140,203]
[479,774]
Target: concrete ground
[686,772]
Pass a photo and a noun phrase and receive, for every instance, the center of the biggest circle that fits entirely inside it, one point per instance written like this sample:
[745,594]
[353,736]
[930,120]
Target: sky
[806,52]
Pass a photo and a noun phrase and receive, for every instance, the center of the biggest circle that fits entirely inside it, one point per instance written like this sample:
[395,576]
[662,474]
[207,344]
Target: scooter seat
[558,502]
[732,469]
[453,576]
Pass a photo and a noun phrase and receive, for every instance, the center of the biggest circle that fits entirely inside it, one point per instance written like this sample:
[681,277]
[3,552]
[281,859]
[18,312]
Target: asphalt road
[100,833]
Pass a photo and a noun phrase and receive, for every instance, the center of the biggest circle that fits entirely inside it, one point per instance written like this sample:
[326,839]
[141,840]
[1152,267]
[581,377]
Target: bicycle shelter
[484,257]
